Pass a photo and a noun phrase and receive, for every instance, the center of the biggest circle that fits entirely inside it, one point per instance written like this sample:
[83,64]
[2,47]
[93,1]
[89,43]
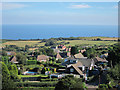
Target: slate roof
[85,61]
[76,67]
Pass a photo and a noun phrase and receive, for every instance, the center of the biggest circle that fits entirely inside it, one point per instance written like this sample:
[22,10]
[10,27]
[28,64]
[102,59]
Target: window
[71,70]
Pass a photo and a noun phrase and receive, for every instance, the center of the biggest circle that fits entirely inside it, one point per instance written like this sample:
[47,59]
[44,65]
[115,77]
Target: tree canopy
[70,82]
[74,50]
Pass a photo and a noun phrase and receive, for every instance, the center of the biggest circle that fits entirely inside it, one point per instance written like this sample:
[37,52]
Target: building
[58,56]
[99,60]
[79,55]
[13,59]
[75,68]
[42,58]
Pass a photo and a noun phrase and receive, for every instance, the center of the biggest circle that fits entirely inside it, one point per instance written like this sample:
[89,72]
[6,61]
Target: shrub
[30,62]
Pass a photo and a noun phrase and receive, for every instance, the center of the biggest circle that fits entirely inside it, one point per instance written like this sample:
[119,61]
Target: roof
[11,53]
[58,56]
[56,50]
[76,67]
[79,55]
[13,59]
[97,59]
[85,61]
[42,57]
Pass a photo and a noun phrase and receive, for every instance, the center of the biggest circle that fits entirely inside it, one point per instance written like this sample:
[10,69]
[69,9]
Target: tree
[13,72]
[114,55]
[90,53]
[74,50]
[51,42]
[4,53]
[114,75]
[7,83]
[21,58]
[70,82]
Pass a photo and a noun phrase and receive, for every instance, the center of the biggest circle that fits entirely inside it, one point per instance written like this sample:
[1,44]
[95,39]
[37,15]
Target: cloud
[8,6]
[80,6]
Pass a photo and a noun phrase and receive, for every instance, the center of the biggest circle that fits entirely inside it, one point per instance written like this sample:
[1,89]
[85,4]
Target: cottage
[75,69]
[43,58]
[13,60]
[62,47]
[88,63]
[79,55]
[100,60]
[11,53]
[70,60]
[58,56]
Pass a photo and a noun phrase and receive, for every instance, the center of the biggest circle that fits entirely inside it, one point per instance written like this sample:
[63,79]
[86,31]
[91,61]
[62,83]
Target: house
[82,50]
[62,47]
[104,55]
[68,49]
[75,69]
[43,58]
[88,63]
[58,56]
[68,54]
[13,59]
[79,55]
[11,53]
[100,60]
[56,50]
[70,60]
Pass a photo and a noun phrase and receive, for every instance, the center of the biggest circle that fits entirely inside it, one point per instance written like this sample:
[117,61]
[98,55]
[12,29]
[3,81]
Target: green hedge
[53,79]
[37,84]
[36,88]
[30,62]
[103,86]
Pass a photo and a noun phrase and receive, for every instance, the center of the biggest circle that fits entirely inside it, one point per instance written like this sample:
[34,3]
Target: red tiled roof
[58,56]
[42,57]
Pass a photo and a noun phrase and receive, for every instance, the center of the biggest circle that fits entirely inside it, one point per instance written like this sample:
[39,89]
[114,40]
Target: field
[81,42]
[23,43]
[72,42]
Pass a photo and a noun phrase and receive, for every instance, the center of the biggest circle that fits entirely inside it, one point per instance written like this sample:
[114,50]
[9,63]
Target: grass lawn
[33,75]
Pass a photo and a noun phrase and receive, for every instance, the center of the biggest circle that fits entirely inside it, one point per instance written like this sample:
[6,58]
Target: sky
[78,13]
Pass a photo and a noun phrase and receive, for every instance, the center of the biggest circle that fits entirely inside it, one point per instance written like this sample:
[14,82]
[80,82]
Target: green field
[23,43]
[72,43]
[84,40]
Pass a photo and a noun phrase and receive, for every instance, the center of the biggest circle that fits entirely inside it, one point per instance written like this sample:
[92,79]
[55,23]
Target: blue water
[53,31]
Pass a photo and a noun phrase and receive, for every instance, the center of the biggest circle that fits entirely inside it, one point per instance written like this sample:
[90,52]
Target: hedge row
[36,88]
[30,62]
[53,79]
[37,84]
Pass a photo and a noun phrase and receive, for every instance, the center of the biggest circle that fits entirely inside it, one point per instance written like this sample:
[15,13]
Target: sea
[54,31]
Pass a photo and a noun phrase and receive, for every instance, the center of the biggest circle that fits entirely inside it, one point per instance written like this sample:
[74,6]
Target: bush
[30,62]
[37,84]
[103,86]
